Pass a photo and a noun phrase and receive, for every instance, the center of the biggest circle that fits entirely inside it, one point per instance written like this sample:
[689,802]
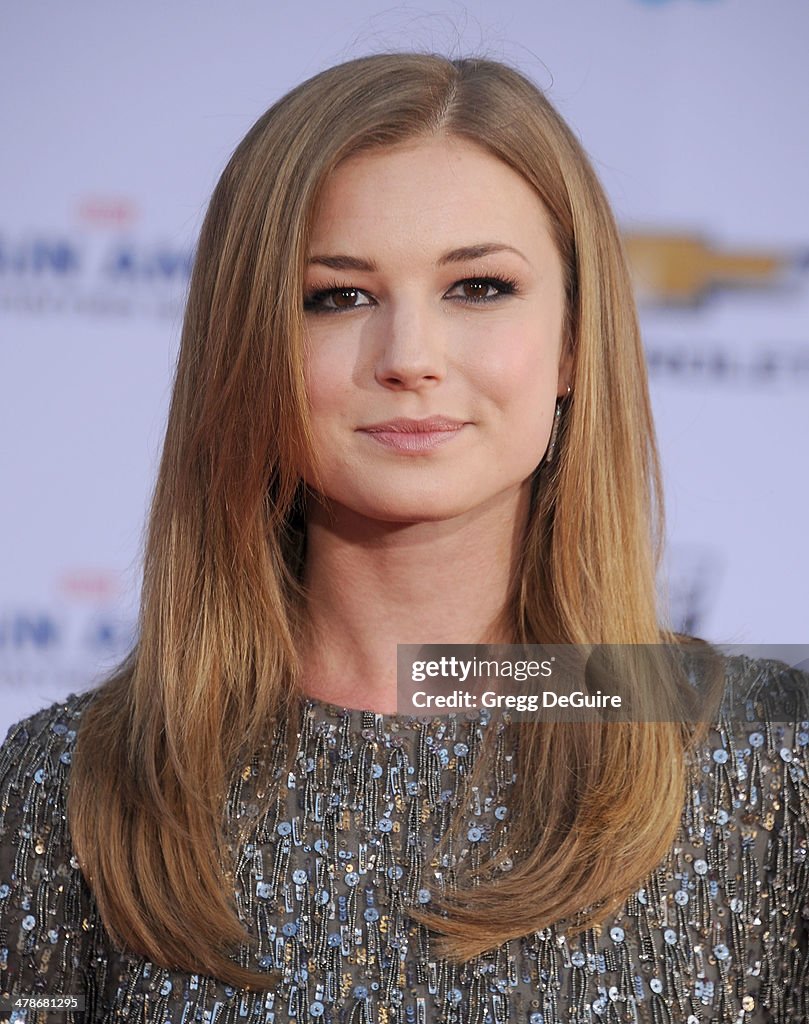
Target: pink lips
[406,435]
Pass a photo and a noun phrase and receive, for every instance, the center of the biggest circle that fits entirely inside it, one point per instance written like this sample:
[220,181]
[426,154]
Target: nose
[410,348]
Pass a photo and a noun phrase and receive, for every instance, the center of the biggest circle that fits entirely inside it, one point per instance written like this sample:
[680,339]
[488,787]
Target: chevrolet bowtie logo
[684,270]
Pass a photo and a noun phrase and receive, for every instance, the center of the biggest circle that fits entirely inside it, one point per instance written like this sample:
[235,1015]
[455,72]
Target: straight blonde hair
[216,671]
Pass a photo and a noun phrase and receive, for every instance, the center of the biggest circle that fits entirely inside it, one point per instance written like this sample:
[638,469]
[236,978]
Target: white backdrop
[115,122]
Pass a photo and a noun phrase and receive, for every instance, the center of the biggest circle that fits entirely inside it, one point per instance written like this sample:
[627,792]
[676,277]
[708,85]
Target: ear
[565,378]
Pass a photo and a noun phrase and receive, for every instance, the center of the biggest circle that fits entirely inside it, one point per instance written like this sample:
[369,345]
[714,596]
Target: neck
[372,585]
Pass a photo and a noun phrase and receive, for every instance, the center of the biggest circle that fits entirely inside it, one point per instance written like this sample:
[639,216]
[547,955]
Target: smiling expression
[434,303]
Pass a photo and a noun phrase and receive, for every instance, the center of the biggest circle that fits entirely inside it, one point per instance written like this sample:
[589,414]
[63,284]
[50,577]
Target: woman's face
[434,303]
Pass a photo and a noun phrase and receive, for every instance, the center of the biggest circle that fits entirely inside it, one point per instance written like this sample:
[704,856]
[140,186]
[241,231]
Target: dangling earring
[555,429]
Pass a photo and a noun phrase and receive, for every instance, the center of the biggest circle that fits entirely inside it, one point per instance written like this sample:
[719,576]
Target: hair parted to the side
[215,671]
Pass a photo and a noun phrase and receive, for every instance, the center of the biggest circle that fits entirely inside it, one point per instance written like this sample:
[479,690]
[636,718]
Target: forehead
[429,192]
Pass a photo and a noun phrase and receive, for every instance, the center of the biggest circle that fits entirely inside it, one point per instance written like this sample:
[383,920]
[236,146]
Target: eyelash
[311,302]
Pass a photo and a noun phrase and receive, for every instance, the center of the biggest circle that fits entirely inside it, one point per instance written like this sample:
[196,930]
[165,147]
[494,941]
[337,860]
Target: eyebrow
[460,255]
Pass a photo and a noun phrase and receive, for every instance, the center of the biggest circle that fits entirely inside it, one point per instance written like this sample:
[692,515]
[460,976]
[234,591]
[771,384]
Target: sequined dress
[325,872]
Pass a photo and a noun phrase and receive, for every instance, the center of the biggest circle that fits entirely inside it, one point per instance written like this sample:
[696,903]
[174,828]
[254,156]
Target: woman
[410,407]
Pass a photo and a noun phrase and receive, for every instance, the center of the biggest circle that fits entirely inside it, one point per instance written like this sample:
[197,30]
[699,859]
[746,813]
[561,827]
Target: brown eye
[483,290]
[345,298]
[476,289]
[335,299]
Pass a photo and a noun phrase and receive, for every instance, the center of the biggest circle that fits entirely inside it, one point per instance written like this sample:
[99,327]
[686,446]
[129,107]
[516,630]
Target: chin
[412,507]
[422,516]
[410,512]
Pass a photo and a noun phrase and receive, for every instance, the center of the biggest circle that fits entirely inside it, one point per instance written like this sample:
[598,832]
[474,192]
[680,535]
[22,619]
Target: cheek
[518,383]
[519,376]
[327,387]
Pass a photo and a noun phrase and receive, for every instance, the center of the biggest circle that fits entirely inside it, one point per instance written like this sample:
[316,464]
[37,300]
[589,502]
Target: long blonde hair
[215,670]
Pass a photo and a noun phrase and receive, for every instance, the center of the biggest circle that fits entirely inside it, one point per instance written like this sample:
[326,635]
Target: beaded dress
[326,868]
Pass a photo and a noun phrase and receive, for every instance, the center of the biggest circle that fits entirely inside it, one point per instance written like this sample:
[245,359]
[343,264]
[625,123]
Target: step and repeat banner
[115,122]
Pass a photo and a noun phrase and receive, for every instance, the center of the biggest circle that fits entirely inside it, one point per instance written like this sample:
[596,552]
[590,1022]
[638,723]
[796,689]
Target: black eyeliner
[505,286]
